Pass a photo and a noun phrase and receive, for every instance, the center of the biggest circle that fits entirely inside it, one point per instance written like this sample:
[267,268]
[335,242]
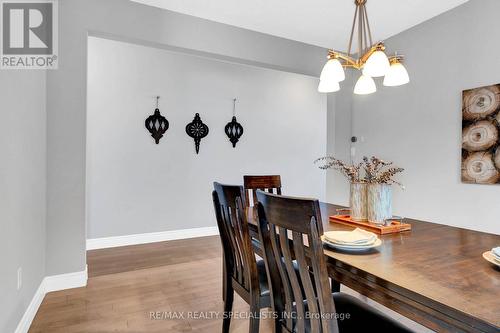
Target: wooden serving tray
[394,227]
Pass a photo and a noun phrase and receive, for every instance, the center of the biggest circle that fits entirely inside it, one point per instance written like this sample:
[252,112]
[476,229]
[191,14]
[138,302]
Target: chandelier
[372,60]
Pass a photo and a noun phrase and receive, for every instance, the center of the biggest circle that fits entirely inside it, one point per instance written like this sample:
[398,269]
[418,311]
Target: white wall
[22,190]
[418,125]
[135,186]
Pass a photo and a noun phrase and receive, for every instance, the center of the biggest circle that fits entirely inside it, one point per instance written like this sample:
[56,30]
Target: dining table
[433,274]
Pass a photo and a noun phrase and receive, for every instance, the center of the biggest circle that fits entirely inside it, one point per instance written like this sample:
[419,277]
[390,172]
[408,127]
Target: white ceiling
[324,23]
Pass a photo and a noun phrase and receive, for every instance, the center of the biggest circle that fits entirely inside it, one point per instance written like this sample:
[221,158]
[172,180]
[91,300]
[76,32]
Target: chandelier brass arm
[370,59]
[357,63]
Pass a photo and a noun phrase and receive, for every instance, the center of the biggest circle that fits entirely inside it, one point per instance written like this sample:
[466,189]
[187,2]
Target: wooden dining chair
[241,271]
[290,231]
[271,184]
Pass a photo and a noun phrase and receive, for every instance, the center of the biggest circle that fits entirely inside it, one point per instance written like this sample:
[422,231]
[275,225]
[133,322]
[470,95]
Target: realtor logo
[29,34]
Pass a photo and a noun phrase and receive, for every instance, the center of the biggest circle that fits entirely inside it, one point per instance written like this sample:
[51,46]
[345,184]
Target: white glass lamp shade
[377,64]
[396,76]
[365,85]
[332,71]
[327,86]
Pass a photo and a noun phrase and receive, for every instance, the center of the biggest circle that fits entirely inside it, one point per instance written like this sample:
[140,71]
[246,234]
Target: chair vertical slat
[232,238]
[244,280]
[248,193]
[287,289]
[240,251]
[325,300]
[224,235]
[305,276]
[245,241]
[229,230]
[296,289]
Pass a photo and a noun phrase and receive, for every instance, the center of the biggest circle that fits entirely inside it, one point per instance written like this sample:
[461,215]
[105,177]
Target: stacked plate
[493,256]
[495,252]
[355,240]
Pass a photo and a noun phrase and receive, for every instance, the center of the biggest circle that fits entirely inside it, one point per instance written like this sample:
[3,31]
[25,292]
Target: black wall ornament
[233,129]
[156,124]
[197,130]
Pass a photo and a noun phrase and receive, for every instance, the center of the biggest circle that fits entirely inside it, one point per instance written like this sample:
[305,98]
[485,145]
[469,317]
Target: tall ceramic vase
[358,201]
[379,203]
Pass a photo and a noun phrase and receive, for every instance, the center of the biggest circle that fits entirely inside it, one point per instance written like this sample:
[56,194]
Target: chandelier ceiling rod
[365,41]
[352,32]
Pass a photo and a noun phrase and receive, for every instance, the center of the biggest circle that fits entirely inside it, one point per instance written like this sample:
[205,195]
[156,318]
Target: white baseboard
[29,314]
[65,281]
[153,237]
[48,284]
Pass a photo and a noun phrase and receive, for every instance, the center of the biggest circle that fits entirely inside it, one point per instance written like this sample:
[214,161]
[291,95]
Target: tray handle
[396,218]
[343,211]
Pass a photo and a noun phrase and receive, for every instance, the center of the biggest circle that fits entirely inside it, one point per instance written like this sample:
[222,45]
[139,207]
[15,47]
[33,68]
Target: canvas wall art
[480,135]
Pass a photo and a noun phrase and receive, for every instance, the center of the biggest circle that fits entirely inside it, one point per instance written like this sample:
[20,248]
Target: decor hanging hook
[157,101]
[234,107]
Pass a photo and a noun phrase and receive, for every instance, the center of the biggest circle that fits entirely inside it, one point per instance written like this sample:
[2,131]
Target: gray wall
[66,94]
[339,139]
[135,186]
[419,125]
[22,190]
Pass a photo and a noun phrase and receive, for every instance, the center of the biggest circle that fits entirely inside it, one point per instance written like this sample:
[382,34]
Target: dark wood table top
[435,265]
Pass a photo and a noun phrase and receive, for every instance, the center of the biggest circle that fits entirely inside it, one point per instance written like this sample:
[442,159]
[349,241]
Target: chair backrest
[239,258]
[290,230]
[271,184]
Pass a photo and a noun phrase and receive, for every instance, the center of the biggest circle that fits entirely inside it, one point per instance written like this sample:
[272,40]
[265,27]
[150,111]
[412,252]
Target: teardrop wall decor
[156,124]
[197,130]
[233,129]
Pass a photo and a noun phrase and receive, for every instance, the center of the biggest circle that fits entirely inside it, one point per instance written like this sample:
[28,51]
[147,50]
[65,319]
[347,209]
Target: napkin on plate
[496,252]
[355,237]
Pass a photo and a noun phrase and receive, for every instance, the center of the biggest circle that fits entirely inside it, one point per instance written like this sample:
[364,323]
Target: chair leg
[335,286]
[226,279]
[228,307]
[277,326]
[254,319]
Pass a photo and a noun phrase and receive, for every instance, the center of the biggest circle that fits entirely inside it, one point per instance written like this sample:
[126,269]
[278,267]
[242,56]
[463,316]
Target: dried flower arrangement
[376,171]
[350,171]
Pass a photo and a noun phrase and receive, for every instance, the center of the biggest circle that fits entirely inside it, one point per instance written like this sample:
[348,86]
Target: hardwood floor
[134,288]
[126,284]
[136,257]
